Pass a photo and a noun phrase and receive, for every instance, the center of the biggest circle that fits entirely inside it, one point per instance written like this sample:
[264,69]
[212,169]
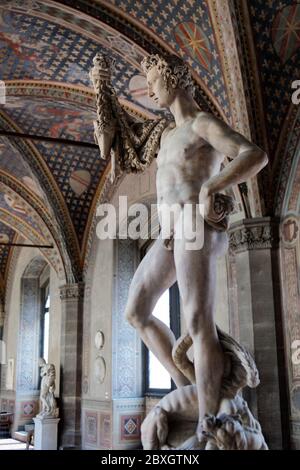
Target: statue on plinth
[48,405]
[192,183]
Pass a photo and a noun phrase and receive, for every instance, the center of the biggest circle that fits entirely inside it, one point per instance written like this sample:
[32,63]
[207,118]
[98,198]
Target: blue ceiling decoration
[276,29]
[77,171]
[162,38]
[56,119]
[10,204]
[186,27]
[33,48]
[12,161]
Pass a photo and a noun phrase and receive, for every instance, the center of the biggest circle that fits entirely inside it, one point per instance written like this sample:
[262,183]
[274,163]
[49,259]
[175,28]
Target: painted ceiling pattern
[13,163]
[276,29]
[46,52]
[186,27]
[56,119]
[19,210]
[40,49]
[77,172]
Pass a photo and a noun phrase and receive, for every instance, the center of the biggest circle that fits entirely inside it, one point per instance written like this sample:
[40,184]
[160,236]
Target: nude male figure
[189,172]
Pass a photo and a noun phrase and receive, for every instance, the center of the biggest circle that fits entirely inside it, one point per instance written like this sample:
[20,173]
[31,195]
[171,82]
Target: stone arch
[46,180]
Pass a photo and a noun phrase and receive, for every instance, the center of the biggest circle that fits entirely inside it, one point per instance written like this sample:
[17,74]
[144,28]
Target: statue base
[45,433]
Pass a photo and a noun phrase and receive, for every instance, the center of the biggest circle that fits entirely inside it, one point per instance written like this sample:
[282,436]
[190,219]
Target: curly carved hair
[174,71]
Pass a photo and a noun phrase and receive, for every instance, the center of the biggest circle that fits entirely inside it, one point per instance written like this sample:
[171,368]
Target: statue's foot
[201,435]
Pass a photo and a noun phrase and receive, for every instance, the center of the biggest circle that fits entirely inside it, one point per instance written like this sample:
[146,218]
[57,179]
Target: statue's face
[157,89]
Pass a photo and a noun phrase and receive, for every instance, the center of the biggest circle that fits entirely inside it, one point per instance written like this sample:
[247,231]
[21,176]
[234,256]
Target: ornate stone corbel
[253,234]
[72,291]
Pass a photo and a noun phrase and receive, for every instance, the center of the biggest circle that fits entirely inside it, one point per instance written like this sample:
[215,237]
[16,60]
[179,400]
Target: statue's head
[165,75]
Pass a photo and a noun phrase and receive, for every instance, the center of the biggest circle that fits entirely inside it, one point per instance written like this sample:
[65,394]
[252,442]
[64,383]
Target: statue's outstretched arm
[132,145]
[105,125]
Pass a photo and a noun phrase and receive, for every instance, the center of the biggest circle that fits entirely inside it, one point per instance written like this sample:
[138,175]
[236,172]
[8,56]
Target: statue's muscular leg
[155,274]
[196,277]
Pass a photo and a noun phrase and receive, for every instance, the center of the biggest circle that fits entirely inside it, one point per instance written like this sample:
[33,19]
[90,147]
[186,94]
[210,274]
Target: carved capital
[253,234]
[72,291]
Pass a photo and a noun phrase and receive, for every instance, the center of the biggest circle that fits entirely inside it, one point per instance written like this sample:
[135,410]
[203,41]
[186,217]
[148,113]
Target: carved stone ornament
[100,369]
[253,234]
[289,230]
[99,339]
[72,291]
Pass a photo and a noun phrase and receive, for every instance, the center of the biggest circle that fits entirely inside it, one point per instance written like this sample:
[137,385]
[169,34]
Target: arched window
[45,304]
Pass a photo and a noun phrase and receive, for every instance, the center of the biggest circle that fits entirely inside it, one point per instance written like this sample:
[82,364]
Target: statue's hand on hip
[208,201]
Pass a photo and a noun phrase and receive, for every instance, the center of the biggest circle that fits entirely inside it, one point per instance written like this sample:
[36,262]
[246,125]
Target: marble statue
[48,406]
[190,152]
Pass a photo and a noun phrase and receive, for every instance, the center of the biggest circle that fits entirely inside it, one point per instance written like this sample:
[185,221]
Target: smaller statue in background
[48,406]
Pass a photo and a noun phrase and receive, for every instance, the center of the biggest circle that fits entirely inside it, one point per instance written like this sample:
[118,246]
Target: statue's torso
[184,163]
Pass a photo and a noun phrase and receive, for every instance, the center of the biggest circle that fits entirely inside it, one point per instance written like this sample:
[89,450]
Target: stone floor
[12,444]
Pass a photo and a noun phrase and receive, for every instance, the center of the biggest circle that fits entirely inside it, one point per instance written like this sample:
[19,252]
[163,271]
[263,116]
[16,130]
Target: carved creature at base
[172,423]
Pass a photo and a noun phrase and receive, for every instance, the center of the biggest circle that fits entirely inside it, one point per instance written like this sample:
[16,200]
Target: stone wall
[290,281]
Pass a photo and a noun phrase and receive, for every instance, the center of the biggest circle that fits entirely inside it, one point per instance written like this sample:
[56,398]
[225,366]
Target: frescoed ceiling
[243,56]
[14,164]
[276,29]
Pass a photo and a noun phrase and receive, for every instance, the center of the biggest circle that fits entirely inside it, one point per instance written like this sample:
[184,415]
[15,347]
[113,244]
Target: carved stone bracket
[72,291]
[253,234]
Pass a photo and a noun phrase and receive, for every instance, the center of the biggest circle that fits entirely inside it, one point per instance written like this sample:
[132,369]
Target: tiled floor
[12,444]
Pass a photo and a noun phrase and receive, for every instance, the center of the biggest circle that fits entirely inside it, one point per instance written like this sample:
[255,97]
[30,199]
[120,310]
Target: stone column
[2,346]
[71,364]
[2,316]
[254,250]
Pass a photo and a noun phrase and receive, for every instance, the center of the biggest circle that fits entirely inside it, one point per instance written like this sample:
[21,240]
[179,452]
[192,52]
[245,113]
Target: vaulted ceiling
[243,55]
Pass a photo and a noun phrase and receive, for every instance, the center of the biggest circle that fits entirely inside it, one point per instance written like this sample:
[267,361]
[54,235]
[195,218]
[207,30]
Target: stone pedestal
[45,433]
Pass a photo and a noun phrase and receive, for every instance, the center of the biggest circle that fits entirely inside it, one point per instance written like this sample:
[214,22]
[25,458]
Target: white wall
[97,317]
